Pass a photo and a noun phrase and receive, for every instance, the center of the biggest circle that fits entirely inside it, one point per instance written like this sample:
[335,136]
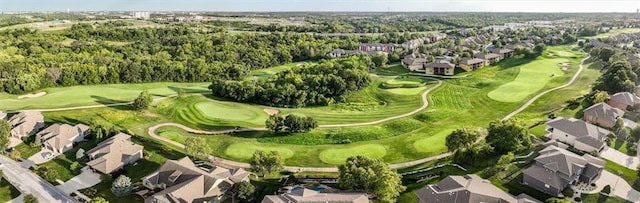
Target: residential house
[303,195]
[505,53]
[26,123]
[581,135]
[623,100]
[468,189]
[490,57]
[377,47]
[114,153]
[414,62]
[556,168]
[439,68]
[471,64]
[337,53]
[602,114]
[60,138]
[182,181]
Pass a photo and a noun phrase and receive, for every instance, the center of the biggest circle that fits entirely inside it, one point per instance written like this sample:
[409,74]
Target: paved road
[528,103]
[29,183]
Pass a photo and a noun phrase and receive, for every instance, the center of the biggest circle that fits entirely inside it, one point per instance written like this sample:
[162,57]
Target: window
[546,185]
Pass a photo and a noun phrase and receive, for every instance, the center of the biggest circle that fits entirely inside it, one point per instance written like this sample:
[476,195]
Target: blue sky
[324,5]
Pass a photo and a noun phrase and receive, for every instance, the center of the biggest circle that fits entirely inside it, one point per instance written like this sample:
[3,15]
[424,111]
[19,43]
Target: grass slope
[95,94]
[532,78]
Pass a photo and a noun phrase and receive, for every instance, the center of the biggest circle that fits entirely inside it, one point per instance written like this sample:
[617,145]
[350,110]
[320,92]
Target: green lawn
[7,191]
[339,155]
[95,94]
[533,77]
[244,150]
[625,173]
[598,198]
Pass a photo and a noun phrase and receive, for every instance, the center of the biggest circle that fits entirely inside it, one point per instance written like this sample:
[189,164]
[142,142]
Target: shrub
[122,186]
[606,190]
[345,141]
[567,192]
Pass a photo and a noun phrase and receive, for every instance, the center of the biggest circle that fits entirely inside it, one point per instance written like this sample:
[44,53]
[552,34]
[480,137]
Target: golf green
[244,150]
[434,143]
[532,78]
[229,111]
[340,155]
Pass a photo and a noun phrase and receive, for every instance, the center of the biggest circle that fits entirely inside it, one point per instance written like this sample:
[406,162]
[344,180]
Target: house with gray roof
[60,138]
[623,100]
[602,114]
[441,67]
[26,123]
[581,135]
[299,194]
[182,181]
[414,62]
[471,64]
[504,52]
[490,57]
[556,168]
[114,153]
[469,188]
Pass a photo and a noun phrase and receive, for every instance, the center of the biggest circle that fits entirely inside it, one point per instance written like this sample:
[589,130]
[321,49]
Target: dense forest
[321,84]
[102,54]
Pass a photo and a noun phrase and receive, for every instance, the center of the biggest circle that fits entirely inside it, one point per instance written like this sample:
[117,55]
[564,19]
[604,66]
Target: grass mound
[402,83]
[244,150]
[340,155]
[533,77]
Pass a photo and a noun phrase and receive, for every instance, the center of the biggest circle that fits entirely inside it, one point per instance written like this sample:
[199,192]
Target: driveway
[29,183]
[40,157]
[13,142]
[619,187]
[86,179]
[629,123]
[618,157]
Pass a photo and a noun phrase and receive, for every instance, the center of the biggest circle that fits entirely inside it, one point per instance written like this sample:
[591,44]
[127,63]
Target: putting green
[407,91]
[340,155]
[244,150]
[434,143]
[228,111]
[403,81]
[532,78]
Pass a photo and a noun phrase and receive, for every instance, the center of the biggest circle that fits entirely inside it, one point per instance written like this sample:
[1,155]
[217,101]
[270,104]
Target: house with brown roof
[114,153]
[414,62]
[623,100]
[471,64]
[26,123]
[182,181]
[300,194]
[581,135]
[556,168]
[505,53]
[469,188]
[60,138]
[490,57]
[602,114]
[377,47]
[441,67]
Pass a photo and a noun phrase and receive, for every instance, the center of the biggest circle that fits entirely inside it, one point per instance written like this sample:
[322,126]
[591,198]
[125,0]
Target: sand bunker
[271,111]
[565,66]
[27,96]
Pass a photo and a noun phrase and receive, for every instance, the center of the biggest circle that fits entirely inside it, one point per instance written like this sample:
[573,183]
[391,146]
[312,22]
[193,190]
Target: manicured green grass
[532,78]
[228,111]
[340,155]
[244,150]
[394,69]
[598,198]
[433,144]
[26,150]
[7,191]
[410,80]
[95,94]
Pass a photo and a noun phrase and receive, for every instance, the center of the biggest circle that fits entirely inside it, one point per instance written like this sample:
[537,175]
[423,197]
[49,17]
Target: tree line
[321,84]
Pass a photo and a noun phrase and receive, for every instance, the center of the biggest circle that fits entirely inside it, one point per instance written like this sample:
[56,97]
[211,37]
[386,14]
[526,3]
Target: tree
[372,176]
[29,198]
[600,96]
[99,200]
[539,48]
[380,60]
[617,77]
[121,186]
[619,126]
[606,190]
[508,135]
[463,138]
[46,173]
[74,166]
[275,123]
[143,101]
[266,162]
[5,130]
[197,147]
[244,190]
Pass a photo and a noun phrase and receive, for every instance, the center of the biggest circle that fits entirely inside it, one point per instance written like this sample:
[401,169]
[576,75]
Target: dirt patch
[271,111]
[27,96]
